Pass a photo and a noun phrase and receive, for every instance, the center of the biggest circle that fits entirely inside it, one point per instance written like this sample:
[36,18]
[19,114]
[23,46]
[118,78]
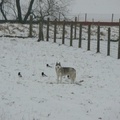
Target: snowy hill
[94,96]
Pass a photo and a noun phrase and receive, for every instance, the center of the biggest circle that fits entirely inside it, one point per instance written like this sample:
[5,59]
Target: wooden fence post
[71,33]
[55,30]
[119,42]
[98,39]
[89,26]
[85,17]
[108,46]
[80,35]
[40,31]
[48,29]
[75,28]
[30,27]
[112,17]
[63,35]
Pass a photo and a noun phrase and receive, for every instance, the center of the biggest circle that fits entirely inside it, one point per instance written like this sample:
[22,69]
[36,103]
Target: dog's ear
[59,63]
[56,63]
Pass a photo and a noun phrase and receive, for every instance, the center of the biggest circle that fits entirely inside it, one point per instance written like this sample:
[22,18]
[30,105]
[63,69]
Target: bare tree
[1,8]
[50,8]
[8,9]
[29,10]
[13,9]
[38,8]
[19,10]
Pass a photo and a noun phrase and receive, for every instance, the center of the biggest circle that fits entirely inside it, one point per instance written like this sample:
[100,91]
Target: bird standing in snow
[43,74]
[19,74]
[48,65]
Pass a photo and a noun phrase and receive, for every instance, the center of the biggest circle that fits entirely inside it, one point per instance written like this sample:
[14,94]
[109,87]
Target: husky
[65,71]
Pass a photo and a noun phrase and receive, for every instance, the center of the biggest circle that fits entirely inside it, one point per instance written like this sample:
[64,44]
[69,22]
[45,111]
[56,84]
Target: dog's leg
[72,81]
[57,79]
[60,79]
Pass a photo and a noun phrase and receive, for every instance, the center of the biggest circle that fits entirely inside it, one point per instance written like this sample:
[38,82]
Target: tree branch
[1,5]
[29,11]
[19,10]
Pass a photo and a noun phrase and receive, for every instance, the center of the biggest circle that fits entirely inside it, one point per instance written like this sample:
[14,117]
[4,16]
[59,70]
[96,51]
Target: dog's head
[58,65]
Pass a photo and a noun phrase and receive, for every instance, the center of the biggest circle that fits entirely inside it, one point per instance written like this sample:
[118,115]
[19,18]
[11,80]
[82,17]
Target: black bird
[43,74]
[68,76]
[19,74]
[48,65]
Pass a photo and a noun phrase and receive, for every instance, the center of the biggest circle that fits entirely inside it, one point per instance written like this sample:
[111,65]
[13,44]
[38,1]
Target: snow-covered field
[94,96]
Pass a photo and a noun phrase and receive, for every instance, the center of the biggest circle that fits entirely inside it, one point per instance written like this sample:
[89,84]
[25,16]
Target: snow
[95,94]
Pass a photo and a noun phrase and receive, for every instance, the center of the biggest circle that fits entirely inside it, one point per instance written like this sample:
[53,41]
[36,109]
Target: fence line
[94,17]
[90,17]
[108,45]
[67,22]
[30,28]
[47,29]
[71,33]
[89,36]
[89,33]
[74,27]
[80,35]
[98,39]
[63,34]
[119,42]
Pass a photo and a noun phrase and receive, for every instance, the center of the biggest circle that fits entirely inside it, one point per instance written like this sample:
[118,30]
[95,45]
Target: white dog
[63,71]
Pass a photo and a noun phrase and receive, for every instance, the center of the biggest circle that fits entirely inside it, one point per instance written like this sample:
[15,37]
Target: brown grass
[102,33]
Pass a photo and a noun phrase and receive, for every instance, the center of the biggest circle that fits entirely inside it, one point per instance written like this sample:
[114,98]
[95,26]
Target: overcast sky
[96,6]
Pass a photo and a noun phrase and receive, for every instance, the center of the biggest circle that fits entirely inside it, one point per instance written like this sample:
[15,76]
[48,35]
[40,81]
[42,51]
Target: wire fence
[89,17]
[95,38]
[72,37]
